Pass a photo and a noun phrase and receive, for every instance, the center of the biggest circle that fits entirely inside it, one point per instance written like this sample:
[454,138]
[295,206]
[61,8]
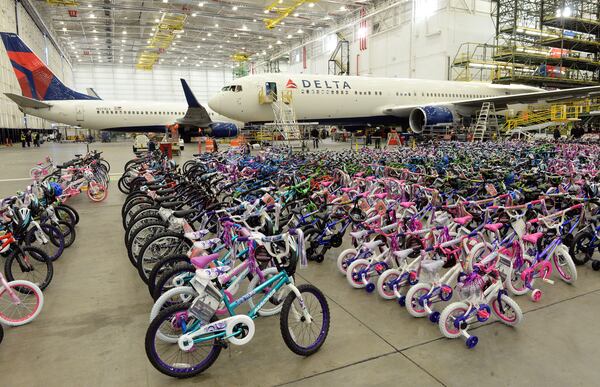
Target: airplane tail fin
[189,96]
[36,80]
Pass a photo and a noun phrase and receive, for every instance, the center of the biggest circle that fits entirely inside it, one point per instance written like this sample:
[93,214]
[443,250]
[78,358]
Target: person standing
[28,138]
[556,133]
[36,139]
[315,136]
[377,137]
[23,139]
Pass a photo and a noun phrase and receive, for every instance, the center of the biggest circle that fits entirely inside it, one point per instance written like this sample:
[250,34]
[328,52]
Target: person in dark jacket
[28,138]
[315,136]
[556,133]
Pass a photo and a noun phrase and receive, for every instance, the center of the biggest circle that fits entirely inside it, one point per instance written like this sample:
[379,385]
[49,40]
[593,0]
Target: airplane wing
[501,101]
[196,114]
[26,102]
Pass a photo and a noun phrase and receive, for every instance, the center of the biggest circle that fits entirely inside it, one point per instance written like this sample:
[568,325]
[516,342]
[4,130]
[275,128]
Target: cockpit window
[238,88]
[225,88]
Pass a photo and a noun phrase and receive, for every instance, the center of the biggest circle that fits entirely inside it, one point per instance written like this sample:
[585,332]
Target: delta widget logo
[291,84]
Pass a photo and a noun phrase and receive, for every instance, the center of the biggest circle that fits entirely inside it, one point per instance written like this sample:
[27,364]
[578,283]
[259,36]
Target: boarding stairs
[487,122]
[285,120]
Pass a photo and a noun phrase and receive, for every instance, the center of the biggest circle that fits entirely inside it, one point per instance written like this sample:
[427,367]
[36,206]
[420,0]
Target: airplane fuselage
[335,99]
[114,115]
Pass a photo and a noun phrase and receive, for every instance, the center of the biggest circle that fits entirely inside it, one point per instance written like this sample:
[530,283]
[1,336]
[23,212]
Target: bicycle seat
[403,253]
[182,213]
[407,204]
[165,198]
[200,261]
[532,238]
[347,189]
[171,205]
[370,178]
[358,234]
[381,195]
[493,227]
[371,245]
[463,220]
[165,191]
[326,183]
[359,174]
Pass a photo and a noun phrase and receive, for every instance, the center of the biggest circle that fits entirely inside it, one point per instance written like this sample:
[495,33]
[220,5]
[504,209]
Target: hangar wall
[10,116]
[411,39]
[160,84]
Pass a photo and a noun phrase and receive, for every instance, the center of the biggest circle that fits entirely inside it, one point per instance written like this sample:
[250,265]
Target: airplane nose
[215,103]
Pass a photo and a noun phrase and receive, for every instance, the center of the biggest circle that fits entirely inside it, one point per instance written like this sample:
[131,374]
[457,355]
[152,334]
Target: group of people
[29,137]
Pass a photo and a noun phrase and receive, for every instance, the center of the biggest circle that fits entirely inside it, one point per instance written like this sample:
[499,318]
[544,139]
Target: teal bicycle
[186,339]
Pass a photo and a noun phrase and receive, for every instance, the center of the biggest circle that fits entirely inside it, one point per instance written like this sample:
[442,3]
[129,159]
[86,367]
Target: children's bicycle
[304,318]
[20,302]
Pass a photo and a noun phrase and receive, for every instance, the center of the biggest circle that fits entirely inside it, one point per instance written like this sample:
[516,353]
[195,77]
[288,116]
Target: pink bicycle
[20,302]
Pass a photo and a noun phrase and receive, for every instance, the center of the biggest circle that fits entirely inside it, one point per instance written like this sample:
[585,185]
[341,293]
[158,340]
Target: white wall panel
[407,45]
[161,84]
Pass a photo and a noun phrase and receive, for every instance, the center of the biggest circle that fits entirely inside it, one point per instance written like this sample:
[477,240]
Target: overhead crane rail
[282,9]
[166,30]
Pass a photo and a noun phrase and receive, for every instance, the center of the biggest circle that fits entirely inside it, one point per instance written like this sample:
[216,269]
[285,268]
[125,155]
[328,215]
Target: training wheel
[472,342]
[596,265]
[402,300]
[370,287]
[319,258]
[434,317]
[536,295]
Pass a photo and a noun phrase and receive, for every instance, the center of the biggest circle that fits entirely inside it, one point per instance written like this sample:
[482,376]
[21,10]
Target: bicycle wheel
[163,265]
[345,258]
[30,264]
[582,249]
[413,295]
[162,245]
[385,283]
[300,336]
[507,310]
[68,232]
[138,240]
[564,264]
[31,302]
[64,214]
[448,318]
[1,333]
[167,281]
[97,192]
[54,244]
[167,357]
[74,213]
[514,282]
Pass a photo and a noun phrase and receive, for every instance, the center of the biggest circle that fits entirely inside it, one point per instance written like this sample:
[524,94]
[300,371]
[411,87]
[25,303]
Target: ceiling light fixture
[209,34]
[234,8]
[201,4]
[194,14]
[310,5]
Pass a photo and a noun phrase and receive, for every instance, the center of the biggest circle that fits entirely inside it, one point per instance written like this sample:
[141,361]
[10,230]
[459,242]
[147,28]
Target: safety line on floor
[422,368]
[16,179]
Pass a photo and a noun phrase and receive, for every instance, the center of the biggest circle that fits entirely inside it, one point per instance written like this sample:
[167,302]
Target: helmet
[21,219]
[56,188]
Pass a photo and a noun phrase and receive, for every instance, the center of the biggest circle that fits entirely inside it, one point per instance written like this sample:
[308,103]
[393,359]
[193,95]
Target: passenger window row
[139,112]
[234,88]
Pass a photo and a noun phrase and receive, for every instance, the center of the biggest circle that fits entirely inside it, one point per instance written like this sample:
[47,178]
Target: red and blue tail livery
[36,80]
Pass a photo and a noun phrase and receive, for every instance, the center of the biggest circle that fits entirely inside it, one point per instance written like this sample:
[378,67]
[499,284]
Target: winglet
[189,96]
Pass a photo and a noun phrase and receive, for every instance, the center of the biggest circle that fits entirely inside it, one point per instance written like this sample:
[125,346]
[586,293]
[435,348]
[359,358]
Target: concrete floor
[91,331]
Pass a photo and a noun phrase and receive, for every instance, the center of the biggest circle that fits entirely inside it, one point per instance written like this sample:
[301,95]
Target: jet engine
[221,130]
[429,115]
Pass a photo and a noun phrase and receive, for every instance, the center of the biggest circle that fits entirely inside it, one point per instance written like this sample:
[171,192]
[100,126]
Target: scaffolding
[545,43]
[167,29]
[339,61]
[487,123]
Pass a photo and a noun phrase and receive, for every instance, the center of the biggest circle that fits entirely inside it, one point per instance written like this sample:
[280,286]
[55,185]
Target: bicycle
[197,330]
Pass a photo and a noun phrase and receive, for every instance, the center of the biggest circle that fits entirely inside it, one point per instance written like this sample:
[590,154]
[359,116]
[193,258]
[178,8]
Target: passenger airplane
[45,96]
[362,101]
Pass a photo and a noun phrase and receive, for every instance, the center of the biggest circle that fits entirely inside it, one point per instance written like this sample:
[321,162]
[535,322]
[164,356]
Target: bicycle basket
[206,304]
[430,269]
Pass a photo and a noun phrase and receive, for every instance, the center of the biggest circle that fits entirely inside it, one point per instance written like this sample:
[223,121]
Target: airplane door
[79,112]
[271,90]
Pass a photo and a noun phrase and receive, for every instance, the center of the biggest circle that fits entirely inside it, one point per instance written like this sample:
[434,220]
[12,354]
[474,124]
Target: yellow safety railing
[559,113]
[264,98]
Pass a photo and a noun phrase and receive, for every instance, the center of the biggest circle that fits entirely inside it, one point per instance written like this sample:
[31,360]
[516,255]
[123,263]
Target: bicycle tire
[39,255]
[162,285]
[288,337]
[162,265]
